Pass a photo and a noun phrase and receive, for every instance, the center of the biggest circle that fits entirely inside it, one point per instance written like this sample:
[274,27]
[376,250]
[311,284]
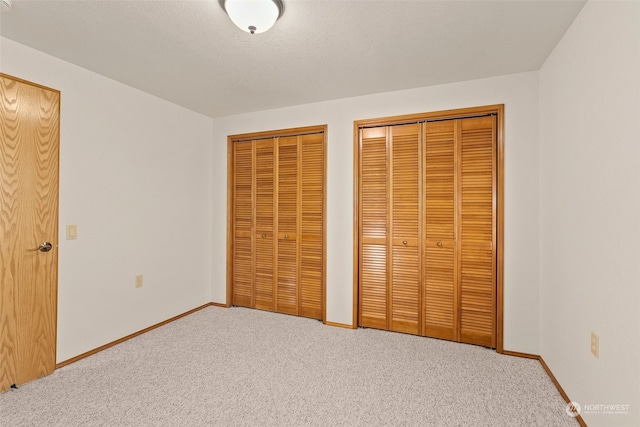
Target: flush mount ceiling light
[253,16]
[5,5]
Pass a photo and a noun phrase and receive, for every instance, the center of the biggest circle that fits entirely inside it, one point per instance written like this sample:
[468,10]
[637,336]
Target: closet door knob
[286,236]
[264,235]
[439,243]
[404,242]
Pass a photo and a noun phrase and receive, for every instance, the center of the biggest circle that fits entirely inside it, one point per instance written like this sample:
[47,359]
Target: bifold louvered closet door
[427,228]
[277,228]
[390,233]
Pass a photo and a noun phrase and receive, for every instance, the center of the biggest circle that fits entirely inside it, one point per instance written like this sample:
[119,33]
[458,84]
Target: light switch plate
[139,281]
[595,344]
[72,232]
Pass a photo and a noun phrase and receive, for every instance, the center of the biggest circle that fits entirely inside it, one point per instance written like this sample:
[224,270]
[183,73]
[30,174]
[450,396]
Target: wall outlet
[595,344]
[139,281]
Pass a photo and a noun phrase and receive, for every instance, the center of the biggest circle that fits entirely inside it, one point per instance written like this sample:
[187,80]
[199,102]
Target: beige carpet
[235,367]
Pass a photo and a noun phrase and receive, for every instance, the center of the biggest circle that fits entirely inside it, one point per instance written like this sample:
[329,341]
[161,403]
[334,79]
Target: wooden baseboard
[551,376]
[560,389]
[128,337]
[219,304]
[518,354]
[339,325]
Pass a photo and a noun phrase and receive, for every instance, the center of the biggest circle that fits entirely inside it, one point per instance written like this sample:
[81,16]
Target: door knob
[439,243]
[264,235]
[286,236]
[44,247]
[404,242]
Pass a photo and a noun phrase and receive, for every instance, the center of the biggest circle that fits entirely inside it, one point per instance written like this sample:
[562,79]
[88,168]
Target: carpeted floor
[242,367]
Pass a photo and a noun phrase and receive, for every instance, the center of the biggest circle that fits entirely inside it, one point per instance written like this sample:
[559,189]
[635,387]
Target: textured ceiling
[190,53]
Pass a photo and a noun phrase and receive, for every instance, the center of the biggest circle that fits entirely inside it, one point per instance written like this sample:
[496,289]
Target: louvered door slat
[477,232]
[264,214]
[287,282]
[312,226]
[373,228]
[440,317]
[243,224]
[405,226]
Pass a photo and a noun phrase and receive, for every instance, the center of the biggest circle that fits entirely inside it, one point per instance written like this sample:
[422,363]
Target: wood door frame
[231,139]
[498,199]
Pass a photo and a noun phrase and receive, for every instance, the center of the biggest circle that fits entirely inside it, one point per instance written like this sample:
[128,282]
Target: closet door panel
[440,289]
[312,225]
[373,228]
[287,260]
[264,217]
[405,228]
[477,231]
[243,224]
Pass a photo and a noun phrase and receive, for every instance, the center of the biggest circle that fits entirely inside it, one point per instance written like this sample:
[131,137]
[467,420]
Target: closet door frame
[498,199]
[231,139]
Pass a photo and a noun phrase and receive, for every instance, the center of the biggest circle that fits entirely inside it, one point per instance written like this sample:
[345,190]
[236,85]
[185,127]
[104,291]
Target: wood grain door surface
[243,229]
[374,214]
[477,230]
[311,225]
[29,150]
[440,296]
[288,215]
[265,195]
[405,225]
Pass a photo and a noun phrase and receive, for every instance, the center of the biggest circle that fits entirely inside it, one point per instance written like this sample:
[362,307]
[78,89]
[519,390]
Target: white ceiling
[190,53]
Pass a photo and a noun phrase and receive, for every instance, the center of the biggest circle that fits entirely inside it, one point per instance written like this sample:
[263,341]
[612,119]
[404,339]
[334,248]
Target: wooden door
[404,286]
[29,147]
[373,220]
[477,230]
[265,210]
[390,265]
[311,153]
[287,223]
[428,209]
[440,218]
[243,226]
[276,209]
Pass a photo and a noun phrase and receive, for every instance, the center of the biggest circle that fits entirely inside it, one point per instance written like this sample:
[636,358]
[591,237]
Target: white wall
[135,176]
[518,92]
[590,209]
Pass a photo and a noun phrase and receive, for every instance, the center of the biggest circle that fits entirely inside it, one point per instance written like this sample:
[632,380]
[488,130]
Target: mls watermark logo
[572,409]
